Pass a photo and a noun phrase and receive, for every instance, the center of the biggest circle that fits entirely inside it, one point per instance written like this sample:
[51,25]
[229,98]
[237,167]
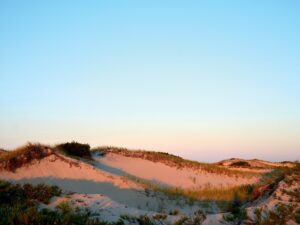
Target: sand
[166,175]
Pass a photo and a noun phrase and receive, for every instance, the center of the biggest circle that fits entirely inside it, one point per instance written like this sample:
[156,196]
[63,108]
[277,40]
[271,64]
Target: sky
[205,80]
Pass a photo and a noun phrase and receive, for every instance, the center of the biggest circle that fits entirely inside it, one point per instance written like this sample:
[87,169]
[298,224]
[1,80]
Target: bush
[19,204]
[75,149]
[240,164]
[297,215]
[15,193]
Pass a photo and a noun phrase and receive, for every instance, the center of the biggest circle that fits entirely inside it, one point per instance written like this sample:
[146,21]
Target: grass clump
[198,218]
[11,160]
[240,164]
[75,149]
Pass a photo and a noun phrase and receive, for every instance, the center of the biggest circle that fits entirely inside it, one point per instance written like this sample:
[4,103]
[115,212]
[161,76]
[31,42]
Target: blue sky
[205,80]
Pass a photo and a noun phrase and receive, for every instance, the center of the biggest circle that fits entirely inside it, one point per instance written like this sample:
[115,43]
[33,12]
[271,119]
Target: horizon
[180,154]
[205,81]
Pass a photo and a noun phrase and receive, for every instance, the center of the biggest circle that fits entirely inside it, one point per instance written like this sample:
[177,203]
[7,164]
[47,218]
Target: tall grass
[244,192]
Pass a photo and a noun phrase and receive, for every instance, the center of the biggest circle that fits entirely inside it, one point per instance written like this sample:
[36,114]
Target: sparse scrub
[160,217]
[174,212]
[198,218]
[280,215]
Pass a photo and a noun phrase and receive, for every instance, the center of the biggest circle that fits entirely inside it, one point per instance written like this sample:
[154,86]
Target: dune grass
[11,160]
[207,193]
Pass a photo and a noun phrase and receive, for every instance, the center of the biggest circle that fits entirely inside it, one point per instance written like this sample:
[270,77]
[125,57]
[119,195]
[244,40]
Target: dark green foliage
[297,215]
[237,213]
[240,164]
[19,205]
[75,149]
[15,193]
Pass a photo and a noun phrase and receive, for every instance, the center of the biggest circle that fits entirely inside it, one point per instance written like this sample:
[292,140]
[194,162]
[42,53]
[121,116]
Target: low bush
[240,164]
[20,205]
[75,149]
[27,193]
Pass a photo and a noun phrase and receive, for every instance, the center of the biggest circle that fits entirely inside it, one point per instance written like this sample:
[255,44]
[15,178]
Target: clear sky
[206,80]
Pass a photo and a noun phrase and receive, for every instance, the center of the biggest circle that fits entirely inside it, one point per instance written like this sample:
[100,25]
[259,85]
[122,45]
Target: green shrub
[16,193]
[19,204]
[75,149]
[240,164]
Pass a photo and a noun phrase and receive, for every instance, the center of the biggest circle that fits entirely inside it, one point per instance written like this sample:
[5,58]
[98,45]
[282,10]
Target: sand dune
[103,185]
[167,175]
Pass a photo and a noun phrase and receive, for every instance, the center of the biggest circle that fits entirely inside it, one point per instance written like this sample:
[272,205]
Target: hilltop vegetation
[75,149]
[11,160]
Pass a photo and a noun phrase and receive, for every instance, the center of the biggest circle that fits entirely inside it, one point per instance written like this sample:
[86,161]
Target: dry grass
[11,160]
[243,192]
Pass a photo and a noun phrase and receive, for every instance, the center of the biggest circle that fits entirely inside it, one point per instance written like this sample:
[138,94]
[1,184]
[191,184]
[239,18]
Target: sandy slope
[164,174]
[54,167]
[77,176]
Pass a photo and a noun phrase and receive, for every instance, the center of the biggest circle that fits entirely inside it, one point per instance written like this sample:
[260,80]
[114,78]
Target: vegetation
[197,219]
[297,215]
[240,164]
[20,205]
[75,149]
[279,215]
[16,193]
[236,214]
[11,160]
[244,192]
